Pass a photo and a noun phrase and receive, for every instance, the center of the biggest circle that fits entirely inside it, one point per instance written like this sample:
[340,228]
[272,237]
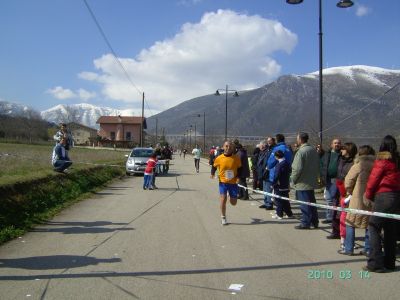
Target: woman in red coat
[383,188]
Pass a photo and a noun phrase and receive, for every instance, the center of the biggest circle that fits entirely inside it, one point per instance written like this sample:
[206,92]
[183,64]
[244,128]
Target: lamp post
[195,135]
[236,94]
[340,4]
[190,137]
[204,129]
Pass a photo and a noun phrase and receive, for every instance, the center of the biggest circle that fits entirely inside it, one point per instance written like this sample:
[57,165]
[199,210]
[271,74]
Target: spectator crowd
[351,177]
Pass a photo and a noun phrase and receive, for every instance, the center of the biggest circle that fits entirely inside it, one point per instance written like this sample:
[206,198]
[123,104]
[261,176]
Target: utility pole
[204,131]
[141,123]
[156,130]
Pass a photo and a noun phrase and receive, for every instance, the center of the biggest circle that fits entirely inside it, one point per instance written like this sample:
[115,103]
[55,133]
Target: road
[128,243]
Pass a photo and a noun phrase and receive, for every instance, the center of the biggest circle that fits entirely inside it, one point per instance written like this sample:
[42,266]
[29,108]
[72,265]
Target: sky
[53,53]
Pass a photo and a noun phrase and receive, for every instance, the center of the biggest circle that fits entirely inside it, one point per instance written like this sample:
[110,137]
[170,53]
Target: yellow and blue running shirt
[228,167]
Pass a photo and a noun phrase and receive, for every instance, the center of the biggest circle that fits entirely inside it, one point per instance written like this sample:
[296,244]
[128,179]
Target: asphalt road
[127,243]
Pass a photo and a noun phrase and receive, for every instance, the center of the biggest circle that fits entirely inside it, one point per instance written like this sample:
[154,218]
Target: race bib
[229,174]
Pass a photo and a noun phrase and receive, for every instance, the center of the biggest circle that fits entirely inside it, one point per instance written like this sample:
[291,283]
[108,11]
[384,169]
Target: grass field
[22,162]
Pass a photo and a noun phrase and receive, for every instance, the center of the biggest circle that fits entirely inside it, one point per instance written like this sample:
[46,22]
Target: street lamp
[236,94]
[204,128]
[340,4]
[190,137]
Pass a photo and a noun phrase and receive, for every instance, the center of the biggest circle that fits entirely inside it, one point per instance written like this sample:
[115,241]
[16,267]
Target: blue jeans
[267,187]
[309,214]
[329,195]
[148,181]
[350,237]
[61,165]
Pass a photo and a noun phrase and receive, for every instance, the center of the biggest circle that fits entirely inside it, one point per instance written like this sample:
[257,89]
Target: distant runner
[196,154]
[229,166]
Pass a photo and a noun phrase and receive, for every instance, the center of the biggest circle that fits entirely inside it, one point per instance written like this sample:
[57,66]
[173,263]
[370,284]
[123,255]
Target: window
[112,135]
[141,152]
[128,136]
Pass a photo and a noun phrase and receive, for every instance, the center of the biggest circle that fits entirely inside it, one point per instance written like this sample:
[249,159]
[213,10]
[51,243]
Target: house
[120,128]
[82,135]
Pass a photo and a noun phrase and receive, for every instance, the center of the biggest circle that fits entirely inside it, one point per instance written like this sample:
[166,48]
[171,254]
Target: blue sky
[52,52]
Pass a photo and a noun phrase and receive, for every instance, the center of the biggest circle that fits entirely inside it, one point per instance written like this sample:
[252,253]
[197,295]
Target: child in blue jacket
[281,185]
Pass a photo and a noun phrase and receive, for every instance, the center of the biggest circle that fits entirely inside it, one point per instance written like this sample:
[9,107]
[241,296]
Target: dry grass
[20,162]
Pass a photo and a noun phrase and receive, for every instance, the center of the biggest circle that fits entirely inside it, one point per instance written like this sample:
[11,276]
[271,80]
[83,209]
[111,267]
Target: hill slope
[291,103]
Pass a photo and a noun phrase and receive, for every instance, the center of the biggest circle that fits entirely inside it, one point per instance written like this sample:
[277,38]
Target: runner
[197,154]
[229,166]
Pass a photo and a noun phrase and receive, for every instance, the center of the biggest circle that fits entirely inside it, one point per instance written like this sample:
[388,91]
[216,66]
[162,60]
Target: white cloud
[88,75]
[362,10]
[60,93]
[225,47]
[86,95]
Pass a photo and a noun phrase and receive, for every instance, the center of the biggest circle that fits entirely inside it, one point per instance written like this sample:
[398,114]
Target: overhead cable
[112,51]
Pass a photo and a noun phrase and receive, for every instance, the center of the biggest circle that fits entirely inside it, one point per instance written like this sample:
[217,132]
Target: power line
[113,52]
[362,108]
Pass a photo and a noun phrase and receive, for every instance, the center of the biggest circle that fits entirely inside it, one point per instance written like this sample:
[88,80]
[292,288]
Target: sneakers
[276,217]
[365,253]
[343,252]
[333,237]
[301,227]
[223,221]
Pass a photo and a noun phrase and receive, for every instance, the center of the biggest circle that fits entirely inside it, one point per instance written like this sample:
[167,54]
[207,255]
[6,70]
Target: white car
[137,159]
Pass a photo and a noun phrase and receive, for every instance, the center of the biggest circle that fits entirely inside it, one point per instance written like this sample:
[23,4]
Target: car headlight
[130,161]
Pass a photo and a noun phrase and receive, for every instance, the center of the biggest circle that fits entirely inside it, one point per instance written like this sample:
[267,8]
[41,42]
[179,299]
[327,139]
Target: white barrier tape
[337,208]
[161,162]
[105,165]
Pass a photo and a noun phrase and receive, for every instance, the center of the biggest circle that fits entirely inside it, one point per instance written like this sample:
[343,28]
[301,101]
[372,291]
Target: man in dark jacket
[254,160]
[281,185]
[329,167]
[244,173]
[266,150]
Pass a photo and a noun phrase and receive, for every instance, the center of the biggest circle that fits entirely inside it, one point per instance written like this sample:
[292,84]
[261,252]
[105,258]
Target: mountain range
[83,113]
[356,102]
[18,110]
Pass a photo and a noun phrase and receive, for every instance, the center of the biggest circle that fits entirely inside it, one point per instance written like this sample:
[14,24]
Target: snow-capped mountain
[83,113]
[356,102]
[18,110]
[374,75]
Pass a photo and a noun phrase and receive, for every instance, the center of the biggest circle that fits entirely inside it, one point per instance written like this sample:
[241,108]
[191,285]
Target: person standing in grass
[63,132]
[60,159]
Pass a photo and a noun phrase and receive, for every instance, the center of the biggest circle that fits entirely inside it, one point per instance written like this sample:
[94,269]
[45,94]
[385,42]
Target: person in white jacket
[196,155]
